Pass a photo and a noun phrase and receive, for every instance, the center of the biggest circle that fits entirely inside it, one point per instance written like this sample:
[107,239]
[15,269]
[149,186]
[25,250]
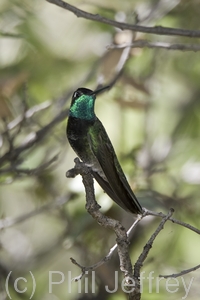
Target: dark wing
[116,185]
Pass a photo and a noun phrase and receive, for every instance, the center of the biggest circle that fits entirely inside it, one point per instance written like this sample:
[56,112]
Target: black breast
[77,130]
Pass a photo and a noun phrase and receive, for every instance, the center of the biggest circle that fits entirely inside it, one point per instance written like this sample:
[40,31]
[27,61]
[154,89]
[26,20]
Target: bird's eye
[77,94]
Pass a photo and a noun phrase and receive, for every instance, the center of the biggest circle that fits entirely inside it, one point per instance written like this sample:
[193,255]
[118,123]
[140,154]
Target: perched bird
[88,137]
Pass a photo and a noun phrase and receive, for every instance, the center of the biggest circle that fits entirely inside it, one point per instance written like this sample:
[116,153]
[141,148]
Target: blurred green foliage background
[152,115]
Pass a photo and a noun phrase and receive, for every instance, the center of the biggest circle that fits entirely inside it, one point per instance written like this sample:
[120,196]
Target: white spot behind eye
[77,94]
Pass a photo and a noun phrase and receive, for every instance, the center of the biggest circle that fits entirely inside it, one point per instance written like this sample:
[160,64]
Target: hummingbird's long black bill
[100,90]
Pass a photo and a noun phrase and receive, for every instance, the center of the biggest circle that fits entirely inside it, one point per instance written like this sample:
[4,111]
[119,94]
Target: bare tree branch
[152,30]
[35,137]
[122,237]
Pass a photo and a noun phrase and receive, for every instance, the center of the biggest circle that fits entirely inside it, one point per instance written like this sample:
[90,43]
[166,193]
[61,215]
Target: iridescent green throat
[83,107]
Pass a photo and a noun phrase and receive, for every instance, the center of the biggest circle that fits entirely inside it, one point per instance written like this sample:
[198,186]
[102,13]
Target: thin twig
[163,45]
[33,138]
[85,269]
[11,35]
[9,137]
[181,223]
[28,114]
[148,246]
[105,259]
[34,171]
[152,30]
[181,273]
[8,222]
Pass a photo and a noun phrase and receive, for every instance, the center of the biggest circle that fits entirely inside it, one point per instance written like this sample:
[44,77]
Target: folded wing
[116,184]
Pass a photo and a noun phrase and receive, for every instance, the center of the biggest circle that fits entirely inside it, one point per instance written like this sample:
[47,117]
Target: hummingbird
[89,139]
